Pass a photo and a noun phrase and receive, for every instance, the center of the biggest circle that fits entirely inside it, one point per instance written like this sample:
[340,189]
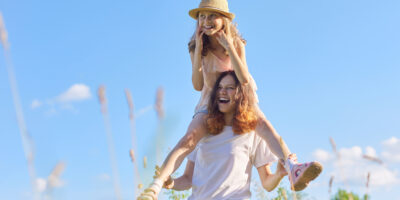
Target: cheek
[219,23]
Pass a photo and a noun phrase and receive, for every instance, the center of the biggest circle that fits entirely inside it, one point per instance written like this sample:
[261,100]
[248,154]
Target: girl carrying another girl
[215,47]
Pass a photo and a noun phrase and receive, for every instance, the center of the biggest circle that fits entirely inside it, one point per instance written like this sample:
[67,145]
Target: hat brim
[193,13]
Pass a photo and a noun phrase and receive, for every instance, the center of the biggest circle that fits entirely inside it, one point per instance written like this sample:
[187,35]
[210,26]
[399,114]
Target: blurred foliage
[177,195]
[344,195]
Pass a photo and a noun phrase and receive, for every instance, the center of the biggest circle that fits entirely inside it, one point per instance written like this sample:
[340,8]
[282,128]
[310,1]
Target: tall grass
[104,110]
[27,141]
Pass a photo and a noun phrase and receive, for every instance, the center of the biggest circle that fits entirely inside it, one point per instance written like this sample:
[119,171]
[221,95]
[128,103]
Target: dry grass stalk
[145,162]
[103,101]
[55,175]
[130,103]
[3,33]
[133,136]
[132,155]
[330,185]
[285,197]
[27,142]
[367,185]
[373,159]
[333,144]
[159,103]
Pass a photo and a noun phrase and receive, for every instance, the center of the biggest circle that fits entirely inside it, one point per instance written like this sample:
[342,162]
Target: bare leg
[300,174]
[266,131]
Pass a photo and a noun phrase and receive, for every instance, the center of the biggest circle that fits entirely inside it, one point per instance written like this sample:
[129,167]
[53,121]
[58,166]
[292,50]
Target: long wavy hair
[245,117]
[233,33]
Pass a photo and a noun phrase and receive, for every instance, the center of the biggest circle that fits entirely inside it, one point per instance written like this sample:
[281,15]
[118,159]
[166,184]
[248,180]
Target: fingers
[293,156]
[228,30]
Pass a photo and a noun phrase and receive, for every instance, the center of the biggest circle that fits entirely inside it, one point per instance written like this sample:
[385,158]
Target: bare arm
[195,132]
[197,73]
[195,57]
[269,181]
[237,55]
[184,182]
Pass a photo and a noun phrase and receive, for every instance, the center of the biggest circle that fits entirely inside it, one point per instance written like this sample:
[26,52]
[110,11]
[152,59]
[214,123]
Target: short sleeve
[262,155]
[192,155]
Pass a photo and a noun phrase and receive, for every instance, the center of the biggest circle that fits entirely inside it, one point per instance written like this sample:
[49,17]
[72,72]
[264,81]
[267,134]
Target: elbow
[244,80]
[187,143]
[197,87]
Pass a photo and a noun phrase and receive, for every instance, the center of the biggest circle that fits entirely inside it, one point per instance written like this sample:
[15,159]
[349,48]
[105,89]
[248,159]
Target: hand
[169,183]
[199,39]
[280,169]
[225,39]
[148,194]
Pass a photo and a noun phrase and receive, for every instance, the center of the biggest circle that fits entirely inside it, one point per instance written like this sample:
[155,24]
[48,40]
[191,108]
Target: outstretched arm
[270,181]
[184,182]
[196,131]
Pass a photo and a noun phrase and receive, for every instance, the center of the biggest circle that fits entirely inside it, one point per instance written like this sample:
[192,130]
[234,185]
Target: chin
[224,109]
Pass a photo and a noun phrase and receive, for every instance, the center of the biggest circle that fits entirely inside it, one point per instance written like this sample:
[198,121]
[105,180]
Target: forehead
[227,80]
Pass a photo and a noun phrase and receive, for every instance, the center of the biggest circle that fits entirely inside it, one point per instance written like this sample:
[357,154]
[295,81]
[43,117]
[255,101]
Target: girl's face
[210,22]
[226,95]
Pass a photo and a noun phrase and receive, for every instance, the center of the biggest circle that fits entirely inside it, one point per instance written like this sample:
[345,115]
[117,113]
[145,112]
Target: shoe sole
[310,174]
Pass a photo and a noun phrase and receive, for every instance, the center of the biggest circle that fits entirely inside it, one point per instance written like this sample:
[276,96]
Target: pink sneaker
[303,173]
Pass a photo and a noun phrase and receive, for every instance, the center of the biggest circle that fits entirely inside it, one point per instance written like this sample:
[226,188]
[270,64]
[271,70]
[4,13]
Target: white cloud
[352,168]
[391,150]
[36,104]
[76,92]
[41,184]
[321,155]
[370,151]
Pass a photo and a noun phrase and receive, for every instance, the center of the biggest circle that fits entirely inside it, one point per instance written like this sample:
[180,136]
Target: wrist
[230,48]
[169,184]
[156,185]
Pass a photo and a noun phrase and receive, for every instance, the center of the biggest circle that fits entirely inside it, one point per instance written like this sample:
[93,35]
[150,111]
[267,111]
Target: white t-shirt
[223,165]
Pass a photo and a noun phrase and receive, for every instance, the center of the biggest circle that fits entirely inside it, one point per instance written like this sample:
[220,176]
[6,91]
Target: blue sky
[323,69]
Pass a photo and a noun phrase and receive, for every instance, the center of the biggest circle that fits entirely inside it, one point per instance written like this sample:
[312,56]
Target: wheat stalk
[27,142]
[159,108]
[330,185]
[132,151]
[373,159]
[103,101]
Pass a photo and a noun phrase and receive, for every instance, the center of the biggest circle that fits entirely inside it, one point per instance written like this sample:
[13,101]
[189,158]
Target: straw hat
[219,6]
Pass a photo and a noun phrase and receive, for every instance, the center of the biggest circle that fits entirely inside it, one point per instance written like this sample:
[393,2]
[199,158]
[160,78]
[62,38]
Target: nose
[222,90]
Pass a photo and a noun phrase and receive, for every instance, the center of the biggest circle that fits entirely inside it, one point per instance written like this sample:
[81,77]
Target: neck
[228,117]
[214,42]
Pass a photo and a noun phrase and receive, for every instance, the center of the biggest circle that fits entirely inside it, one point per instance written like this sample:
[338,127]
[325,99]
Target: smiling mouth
[208,27]
[223,100]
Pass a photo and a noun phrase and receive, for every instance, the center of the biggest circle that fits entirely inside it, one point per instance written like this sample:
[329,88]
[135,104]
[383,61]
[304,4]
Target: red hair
[245,117]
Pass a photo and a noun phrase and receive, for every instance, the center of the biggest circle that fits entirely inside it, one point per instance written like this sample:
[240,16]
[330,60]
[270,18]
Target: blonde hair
[229,27]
